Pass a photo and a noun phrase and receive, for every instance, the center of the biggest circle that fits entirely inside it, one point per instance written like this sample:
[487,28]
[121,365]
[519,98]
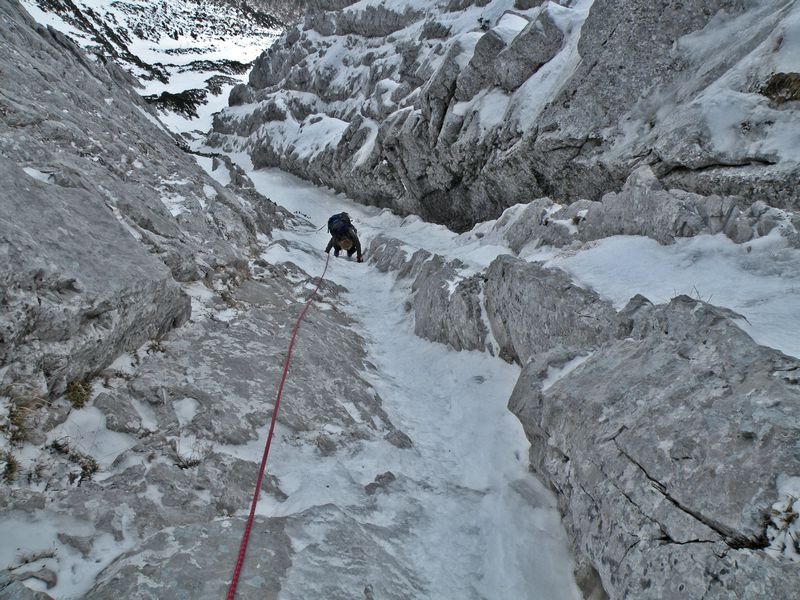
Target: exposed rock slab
[105,213]
[533,309]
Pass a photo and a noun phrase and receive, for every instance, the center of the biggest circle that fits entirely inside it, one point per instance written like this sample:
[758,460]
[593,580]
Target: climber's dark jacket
[340,243]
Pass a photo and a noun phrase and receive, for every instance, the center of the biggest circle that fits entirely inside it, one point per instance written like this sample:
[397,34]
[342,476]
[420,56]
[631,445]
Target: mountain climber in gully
[343,236]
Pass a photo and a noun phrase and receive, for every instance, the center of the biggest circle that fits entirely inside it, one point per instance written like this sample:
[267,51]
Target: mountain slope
[457,110]
[187,56]
[147,305]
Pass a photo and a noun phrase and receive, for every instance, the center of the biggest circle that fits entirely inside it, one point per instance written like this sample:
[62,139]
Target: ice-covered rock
[515,308]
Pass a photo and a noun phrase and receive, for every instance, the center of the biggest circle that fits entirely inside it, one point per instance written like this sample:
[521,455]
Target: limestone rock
[534,46]
[447,307]
[644,443]
[543,100]
[63,315]
[95,186]
[533,309]
[197,560]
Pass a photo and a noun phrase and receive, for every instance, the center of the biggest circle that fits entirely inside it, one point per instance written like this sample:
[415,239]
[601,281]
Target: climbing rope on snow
[248,526]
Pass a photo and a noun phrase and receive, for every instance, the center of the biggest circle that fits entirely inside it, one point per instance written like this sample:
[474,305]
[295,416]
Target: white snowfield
[188,56]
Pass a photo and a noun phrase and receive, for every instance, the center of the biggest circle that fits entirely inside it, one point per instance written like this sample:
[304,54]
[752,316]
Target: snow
[492,108]
[85,431]
[509,26]
[783,530]
[761,284]
[464,437]
[533,95]
[174,203]
[180,58]
[554,375]
[221,173]
[369,144]
[788,55]
[489,527]
[37,174]
[185,410]
[51,19]
[25,537]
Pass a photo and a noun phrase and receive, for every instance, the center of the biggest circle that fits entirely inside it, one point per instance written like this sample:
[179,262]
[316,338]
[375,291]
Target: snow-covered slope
[457,110]
[186,55]
[131,430]
[146,312]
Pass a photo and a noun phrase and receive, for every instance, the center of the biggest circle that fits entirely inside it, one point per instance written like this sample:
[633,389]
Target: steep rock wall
[457,110]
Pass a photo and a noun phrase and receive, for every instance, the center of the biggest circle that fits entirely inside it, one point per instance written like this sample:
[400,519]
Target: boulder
[667,446]
[534,46]
[533,309]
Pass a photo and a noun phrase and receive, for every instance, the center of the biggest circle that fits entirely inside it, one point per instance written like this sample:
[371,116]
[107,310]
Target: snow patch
[37,174]
[555,374]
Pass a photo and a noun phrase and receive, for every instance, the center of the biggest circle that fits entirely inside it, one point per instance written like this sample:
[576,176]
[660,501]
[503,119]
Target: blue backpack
[339,224]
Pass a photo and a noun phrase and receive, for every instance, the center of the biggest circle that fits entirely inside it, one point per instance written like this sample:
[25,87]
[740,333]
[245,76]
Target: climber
[343,236]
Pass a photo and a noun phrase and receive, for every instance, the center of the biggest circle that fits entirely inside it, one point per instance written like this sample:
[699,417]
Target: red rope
[243,547]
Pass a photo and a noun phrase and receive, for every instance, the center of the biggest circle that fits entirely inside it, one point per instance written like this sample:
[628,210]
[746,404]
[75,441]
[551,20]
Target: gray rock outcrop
[642,207]
[102,214]
[667,446]
[534,309]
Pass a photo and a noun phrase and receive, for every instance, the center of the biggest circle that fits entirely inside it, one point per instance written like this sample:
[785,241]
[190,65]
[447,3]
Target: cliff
[457,110]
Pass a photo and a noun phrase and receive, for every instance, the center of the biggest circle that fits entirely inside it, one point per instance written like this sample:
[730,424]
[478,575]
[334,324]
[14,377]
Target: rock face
[667,446]
[455,111]
[642,207]
[532,310]
[666,432]
[87,171]
[132,289]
